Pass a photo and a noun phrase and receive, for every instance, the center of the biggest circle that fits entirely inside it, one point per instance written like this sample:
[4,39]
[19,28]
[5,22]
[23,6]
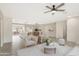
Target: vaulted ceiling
[31,13]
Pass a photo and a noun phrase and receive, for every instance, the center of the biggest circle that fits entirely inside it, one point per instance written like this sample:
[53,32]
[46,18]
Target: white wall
[1,29]
[73,29]
[60,29]
[7,30]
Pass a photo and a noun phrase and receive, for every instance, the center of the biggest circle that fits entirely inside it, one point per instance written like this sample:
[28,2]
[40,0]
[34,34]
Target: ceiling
[31,13]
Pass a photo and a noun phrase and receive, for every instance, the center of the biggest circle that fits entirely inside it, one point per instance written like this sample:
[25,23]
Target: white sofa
[30,43]
[29,40]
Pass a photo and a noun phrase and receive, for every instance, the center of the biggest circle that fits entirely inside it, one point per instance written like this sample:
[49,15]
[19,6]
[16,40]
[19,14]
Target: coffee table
[49,49]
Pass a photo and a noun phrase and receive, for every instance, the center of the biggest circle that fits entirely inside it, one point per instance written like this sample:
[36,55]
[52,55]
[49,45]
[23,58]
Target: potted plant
[47,42]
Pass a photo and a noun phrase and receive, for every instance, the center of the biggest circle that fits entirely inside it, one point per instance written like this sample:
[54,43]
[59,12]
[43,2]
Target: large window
[18,28]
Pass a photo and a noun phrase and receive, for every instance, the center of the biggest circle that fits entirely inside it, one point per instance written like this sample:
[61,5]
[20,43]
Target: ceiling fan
[55,8]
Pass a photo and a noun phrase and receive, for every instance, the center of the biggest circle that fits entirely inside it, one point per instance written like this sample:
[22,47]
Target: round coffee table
[49,49]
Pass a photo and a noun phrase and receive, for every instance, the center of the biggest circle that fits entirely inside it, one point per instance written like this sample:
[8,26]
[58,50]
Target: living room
[36,26]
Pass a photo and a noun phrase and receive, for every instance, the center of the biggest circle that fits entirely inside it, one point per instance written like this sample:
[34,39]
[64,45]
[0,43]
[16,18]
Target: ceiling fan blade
[48,7]
[60,5]
[61,10]
[47,11]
